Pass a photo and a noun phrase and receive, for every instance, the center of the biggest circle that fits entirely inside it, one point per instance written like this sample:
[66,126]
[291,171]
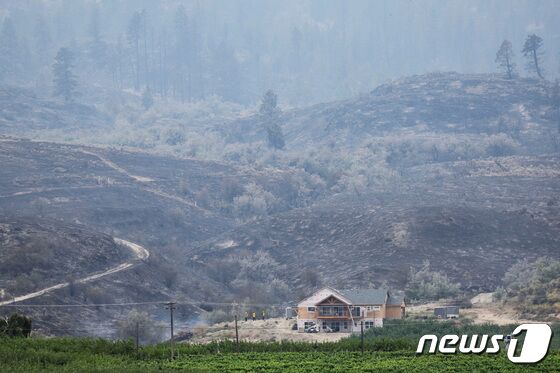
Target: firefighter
[263,314]
[246,316]
[254,316]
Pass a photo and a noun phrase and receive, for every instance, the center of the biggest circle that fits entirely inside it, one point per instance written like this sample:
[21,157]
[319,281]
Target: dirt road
[140,252]
[275,329]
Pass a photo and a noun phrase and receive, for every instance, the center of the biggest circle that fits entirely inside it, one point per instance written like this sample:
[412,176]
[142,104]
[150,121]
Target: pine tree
[269,103]
[64,79]
[531,50]
[275,135]
[270,113]
[504,59]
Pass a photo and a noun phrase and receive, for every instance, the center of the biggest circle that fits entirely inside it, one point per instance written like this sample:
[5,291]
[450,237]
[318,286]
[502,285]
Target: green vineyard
[80,355]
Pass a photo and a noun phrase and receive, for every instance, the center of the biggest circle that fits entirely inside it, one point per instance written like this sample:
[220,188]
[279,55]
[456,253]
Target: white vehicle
[312,329]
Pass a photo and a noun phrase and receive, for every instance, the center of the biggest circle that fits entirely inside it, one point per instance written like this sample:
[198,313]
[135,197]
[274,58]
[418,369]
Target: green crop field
[82,355]
[350,361]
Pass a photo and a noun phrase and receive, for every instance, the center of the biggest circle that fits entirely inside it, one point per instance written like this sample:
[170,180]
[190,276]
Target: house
[447,312]
[344,310]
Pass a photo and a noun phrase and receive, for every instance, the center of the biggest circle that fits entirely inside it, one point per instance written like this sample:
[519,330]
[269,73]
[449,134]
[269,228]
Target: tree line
[236,50]
[532,51]
[171,64]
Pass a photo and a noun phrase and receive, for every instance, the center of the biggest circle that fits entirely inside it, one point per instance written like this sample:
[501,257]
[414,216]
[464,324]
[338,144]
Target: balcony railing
[333,311]
[337,312]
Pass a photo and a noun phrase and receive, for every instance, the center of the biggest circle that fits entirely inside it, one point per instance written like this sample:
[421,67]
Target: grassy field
[72,355]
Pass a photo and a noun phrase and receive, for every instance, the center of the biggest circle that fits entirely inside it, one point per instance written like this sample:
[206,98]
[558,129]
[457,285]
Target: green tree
[15,326]
[532,51]
[275,136]
[504,59]
[534,283]
[64,79]
[270,114]
[427,284]
[269,103]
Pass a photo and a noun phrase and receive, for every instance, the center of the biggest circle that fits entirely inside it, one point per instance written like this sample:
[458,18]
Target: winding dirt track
[140,252]
[141,179]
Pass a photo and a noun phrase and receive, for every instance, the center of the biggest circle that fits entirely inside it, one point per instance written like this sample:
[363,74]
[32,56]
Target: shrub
[149,331]
[15,326]
[429,285]
[254,201]
[535,283]
[499,295]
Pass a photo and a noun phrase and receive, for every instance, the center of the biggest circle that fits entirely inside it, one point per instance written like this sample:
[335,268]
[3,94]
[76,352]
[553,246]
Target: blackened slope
[37,253]
[471,227]
[435,104]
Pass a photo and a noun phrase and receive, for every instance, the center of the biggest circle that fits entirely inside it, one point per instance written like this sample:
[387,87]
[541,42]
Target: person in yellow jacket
[254,315]
[263,314]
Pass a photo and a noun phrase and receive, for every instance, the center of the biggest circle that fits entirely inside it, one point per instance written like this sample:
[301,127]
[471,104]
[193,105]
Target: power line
[186,303]
[17,305]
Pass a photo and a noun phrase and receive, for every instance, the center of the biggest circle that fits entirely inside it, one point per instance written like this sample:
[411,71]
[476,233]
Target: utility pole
[236,334]
[171,307]
[362,335]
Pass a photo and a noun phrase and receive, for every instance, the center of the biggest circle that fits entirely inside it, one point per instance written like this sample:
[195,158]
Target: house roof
[321,295]
[357,296]
[366,296]
[395,299]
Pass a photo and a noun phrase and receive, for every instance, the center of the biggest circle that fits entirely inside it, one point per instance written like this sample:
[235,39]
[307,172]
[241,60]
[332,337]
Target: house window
[332,311]
[356,311]
[373,308]
[310,309]
[335,326]
[369,324]
[345,325]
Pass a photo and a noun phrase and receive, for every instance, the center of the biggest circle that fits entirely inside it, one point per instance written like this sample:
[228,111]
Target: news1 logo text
[534,347]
